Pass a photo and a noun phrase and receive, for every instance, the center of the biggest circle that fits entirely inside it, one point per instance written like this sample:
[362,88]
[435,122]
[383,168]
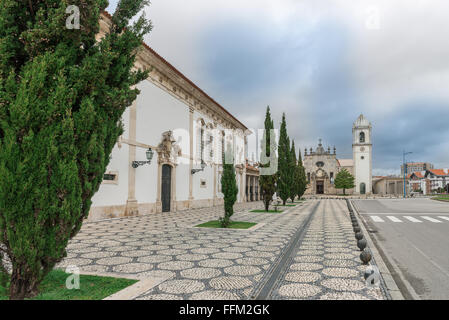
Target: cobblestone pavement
[222,264]
[326,264]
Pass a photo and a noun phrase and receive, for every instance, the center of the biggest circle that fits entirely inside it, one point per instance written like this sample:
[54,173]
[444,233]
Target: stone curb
[254,228]
[131,292]
[137,289]
[391,285]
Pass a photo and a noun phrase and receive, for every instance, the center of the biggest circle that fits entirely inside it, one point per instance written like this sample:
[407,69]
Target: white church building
[322,166]
[183,132]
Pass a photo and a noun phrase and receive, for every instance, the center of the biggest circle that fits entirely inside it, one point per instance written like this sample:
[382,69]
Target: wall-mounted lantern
[203,165]
[149,154]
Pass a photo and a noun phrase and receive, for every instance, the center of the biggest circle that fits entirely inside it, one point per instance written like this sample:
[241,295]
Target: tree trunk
[266,201]
[22,287]
[344,191]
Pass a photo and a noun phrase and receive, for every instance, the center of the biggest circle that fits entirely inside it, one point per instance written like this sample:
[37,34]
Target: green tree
[302,179]
[229,187]
[284,176]
[268,165]
[62,96]
[294,174]
[344,180]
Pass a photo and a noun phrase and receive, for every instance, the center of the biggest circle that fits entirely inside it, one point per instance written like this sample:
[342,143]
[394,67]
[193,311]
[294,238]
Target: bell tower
[362,154]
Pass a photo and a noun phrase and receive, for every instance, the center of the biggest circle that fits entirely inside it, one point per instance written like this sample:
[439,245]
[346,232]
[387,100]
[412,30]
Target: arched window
[362,137]
[308,177]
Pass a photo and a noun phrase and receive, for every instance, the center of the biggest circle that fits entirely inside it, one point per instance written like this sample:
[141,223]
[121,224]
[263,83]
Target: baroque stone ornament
[168,149]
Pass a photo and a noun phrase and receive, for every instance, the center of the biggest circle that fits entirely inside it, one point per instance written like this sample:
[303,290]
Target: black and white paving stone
[221,264]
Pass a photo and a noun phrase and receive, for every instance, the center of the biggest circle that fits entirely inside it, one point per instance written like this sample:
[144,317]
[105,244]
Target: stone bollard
[359,236]
[368,273]
[357,229]
[366,256]
[362,244]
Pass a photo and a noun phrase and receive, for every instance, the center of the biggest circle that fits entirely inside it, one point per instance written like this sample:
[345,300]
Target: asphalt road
[414,235]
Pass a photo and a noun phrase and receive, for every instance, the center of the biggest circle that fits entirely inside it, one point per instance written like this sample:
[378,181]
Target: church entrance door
[362,188]
[166,188]
[320,187]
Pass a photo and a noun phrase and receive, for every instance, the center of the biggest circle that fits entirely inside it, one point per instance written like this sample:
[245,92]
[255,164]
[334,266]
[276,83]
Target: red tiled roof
[439,172]
[107,14]
[418,174]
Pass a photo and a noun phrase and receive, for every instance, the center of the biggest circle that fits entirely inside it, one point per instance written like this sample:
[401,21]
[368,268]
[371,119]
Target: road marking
[412,219]
[401,213]
[443,217]
[377,219]
[394,219]
[431,219]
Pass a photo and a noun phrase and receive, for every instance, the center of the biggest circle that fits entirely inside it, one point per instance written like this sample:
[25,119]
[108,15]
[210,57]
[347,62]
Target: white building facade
[186,130]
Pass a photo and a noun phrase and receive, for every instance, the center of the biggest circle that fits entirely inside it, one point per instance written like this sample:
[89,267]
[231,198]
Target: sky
[323,63]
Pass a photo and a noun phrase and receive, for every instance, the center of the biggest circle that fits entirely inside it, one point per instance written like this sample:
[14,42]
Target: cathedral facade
[322,165]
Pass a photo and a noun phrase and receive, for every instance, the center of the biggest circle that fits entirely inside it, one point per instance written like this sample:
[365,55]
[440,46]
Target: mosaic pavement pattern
[326,265]
[221,264]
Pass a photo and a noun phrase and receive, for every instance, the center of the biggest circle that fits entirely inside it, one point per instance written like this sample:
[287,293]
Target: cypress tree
[294,173]
[284,172]
[268,165]
[229,187]
[344,180]
[302,179]
[62,96]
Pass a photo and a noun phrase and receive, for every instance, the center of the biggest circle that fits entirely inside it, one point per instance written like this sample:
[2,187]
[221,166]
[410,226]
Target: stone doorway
[320,187]
[166,188]
[362,188]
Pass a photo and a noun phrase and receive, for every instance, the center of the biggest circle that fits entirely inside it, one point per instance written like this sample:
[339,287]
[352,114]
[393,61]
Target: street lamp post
[149,153]
[203,165]
[404,165]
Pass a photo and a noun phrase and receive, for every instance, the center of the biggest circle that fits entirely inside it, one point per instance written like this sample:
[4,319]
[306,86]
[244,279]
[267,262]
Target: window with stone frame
[211,147]
[200,140]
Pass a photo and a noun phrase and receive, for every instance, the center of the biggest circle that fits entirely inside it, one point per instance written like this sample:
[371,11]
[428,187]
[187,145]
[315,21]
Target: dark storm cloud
[419,127]
[321,63]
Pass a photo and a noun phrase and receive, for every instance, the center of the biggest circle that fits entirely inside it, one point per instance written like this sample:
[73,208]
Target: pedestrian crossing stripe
[410,218]
[394,219]
[377,219]
[432,219]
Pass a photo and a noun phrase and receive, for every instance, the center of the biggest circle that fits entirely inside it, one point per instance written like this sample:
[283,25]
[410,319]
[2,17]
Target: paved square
[220,264]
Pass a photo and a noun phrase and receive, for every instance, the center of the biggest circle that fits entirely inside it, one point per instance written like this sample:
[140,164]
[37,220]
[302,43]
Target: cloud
[323,63]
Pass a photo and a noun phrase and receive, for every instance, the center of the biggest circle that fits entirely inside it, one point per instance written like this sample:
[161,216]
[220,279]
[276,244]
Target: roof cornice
[166,76]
